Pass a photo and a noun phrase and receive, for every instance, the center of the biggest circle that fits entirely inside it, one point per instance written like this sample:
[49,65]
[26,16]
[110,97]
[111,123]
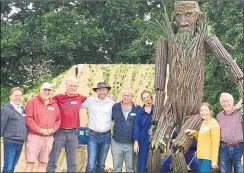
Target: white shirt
[17,108]
[100,113]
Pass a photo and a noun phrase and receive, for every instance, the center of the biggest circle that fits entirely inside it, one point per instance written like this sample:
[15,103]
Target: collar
[98,100]
[152,107]
[15,105]
[41,99]
[233,110]
[131,105]
[129,108]
[70,96]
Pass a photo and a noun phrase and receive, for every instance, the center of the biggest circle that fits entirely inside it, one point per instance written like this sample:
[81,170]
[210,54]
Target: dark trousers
[69,140]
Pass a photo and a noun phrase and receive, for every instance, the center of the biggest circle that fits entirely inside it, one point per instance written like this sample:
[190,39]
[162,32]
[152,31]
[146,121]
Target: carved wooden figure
[184,51]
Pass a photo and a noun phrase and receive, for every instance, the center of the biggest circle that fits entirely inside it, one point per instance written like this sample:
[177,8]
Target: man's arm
[85,104]
[4,119]
[29,110]
[58,120]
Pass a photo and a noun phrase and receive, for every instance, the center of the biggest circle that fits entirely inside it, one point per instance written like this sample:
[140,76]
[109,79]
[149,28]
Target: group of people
[48,124]
[218,140]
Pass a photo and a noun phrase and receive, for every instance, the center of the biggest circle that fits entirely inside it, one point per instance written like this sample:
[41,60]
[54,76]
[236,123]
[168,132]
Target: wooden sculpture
[184,52]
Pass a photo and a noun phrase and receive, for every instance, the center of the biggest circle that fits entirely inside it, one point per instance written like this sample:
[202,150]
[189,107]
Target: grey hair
[73,79]
[224,94]
[127,89]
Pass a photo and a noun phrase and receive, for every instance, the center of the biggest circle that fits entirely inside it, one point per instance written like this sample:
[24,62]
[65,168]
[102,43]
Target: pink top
[231,127]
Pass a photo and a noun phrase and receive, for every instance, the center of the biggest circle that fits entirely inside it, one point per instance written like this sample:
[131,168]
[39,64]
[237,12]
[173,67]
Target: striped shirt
[231,127]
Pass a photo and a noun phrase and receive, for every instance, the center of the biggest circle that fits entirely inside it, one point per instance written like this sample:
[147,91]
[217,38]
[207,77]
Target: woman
[141,131]
[208,139]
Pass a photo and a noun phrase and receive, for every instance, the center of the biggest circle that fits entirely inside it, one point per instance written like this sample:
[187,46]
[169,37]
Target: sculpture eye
[188,13]
[177,14]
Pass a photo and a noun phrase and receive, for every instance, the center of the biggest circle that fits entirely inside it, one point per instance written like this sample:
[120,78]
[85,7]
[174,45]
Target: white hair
[73,79]
[127,89]
[229,96]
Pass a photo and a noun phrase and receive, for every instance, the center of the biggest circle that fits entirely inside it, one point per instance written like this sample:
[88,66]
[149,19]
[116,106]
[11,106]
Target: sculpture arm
[160,76]
[225,58]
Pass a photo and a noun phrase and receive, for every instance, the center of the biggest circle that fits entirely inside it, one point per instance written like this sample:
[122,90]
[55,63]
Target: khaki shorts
[38,148]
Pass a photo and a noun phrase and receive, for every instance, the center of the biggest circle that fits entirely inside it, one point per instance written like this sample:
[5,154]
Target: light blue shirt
[126,112]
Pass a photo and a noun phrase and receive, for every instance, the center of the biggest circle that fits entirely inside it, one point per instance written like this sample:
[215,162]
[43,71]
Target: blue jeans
[69,140]
[205,165]
[98,146]
[230,156]
[12,153]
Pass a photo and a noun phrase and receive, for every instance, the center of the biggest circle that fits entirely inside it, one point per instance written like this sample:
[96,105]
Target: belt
[67,130]
[99,133]
[232,145]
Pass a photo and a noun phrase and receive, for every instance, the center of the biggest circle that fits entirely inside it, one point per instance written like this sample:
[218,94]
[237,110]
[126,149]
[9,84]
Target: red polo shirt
[41,116]
[69,107]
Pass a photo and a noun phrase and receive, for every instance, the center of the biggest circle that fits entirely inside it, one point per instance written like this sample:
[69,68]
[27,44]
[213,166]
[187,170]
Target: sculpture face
[186,15]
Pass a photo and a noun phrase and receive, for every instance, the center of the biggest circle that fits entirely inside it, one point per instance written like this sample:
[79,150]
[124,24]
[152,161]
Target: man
[43,119]
[69,104]
[100,120]
[13,129]
[231,126]
[123,114]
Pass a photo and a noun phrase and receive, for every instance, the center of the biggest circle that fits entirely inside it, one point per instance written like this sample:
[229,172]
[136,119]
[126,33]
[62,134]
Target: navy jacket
[143,124]
[123,129]
[13,125]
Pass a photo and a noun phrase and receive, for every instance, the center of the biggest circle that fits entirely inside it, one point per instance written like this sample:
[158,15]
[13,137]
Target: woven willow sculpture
[184,51]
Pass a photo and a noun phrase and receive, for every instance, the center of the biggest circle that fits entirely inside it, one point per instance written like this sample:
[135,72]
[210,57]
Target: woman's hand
[189,131]
[136,147]
[214,165]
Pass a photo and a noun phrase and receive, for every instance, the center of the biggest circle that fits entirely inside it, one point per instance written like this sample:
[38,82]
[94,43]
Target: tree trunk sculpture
[184,52]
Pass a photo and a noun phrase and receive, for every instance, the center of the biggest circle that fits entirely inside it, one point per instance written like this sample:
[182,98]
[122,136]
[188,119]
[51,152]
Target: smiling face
[16,97]
[146,98]
[126,96]
[186,13]
[45,93]
[227,103]
[71,87]
[102,93]
[205,112]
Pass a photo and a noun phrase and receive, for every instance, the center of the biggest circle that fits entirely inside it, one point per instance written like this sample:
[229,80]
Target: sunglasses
[46,89]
